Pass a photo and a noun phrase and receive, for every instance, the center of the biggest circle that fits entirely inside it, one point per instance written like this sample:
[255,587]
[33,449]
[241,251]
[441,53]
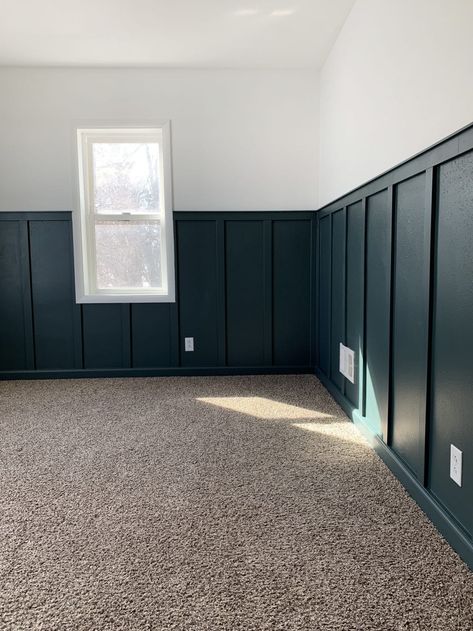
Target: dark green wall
[291,321]
[377,303]
[411,271]
[324,302]
[244,292]
[395,260]
[337,294]
[452,353]
[355,264]
[16,322]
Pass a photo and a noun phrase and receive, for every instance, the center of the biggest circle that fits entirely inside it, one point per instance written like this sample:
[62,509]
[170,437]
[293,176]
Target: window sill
[124,298]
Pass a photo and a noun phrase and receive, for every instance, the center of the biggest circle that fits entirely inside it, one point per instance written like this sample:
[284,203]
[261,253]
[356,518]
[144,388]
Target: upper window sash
[87,140]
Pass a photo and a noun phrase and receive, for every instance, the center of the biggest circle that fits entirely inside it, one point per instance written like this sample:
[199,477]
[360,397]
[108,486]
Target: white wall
[241,140]
[399,78]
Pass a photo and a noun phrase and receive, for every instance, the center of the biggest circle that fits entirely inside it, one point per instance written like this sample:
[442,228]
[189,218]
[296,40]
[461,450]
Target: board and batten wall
[394,283]
[244,292]
[397,80]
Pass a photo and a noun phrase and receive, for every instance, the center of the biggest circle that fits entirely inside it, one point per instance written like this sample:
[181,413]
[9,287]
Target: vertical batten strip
[221,292]
[32,351]
[174,348]
[344,286]
[314,282]
[25,262]
[392,293]
[386,421]
[268,290]
[362,402]
[330,298]
[430,227]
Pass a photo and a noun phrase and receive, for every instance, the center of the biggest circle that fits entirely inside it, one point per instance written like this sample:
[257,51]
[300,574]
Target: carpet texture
[205,503]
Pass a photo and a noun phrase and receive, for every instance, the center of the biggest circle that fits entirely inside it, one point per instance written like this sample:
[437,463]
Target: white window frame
[84,215]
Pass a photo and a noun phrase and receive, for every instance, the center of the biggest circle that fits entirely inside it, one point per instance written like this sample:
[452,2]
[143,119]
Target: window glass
[126,177]
[128,254]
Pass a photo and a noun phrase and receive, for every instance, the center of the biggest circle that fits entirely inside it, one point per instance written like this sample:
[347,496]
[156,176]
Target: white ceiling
[170,33]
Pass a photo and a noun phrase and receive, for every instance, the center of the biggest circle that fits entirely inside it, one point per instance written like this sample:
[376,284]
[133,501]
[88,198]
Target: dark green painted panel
[197,273]
[106,343]
[291,292]
[411,321]
[337,336]
[56,316]
[325,273]
[151,335]
[245,293]
[355,296]
[452,378]
[378,277]
[15,334]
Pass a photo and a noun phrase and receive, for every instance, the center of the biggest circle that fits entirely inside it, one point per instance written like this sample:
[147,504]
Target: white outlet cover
[347,362]
[189,344]
[456,464]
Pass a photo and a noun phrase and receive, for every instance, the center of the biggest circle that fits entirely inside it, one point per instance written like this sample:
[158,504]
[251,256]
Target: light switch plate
[456,464]
[188,344]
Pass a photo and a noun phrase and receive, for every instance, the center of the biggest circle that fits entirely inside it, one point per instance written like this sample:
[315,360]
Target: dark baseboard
[438,515]
[92,373]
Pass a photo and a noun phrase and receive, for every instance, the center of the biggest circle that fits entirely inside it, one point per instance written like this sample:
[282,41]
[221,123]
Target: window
[123,234]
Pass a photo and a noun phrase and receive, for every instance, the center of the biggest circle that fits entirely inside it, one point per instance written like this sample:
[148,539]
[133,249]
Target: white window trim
[84,254]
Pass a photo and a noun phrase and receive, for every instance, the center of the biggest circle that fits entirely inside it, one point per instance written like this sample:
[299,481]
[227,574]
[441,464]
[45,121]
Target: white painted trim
[84,221]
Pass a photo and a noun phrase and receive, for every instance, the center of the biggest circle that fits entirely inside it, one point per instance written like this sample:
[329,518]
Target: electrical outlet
[189,344]
[456,465]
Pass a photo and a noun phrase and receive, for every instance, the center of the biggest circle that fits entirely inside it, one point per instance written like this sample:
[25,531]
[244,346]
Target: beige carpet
[236,503]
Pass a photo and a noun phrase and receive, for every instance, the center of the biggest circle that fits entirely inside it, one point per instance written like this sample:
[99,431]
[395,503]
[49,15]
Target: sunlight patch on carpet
[263,408]
[342,430]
